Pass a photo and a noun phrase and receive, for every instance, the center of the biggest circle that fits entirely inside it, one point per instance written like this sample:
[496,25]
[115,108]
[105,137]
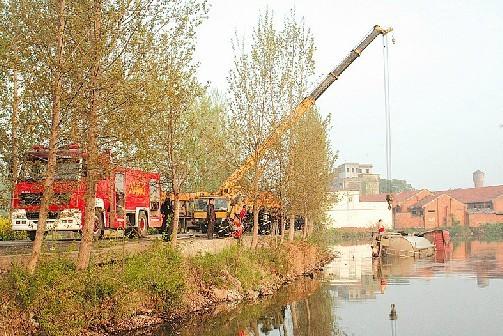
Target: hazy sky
[446,72]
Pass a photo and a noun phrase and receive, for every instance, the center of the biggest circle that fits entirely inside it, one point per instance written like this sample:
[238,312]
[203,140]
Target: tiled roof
[404,195]
[474,195]
[430,198]
[398,197]
[425,201]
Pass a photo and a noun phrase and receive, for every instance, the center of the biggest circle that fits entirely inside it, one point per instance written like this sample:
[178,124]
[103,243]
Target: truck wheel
[142,225]
[31,235]
[98,225]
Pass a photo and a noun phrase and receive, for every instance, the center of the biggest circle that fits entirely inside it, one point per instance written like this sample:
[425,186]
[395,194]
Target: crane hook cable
[387,119]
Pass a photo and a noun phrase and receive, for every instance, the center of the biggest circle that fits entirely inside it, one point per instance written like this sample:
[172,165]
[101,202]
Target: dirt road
[18,252]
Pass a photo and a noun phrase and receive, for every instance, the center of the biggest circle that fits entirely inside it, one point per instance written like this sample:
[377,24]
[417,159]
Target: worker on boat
[380,227]
[376,245]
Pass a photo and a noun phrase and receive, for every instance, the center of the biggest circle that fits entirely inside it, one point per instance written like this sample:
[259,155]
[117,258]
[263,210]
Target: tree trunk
[255,226]
[92,149]
[283,225]
[308,313]
[310,228]
[304,228]
[295,318]
[14,140]
[256,177]
[291,232]
[176,218]
[51,159]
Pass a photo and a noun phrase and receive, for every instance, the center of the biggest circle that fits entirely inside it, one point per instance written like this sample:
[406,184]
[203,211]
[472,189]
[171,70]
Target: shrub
[158,271]
[248,266]
[64,300]
[6,232]
[491,231]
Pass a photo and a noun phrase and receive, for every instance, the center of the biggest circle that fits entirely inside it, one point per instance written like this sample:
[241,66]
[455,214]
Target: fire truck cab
[126,199]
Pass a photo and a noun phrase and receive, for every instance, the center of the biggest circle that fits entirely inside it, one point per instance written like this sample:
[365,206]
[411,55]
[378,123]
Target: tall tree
[265,83]
[56,117]
[168,142]
[310,169]
[92,125]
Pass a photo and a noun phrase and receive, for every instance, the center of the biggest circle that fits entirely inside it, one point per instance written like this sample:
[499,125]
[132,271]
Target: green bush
[250,267]
[64,300]
[334,236]
[491,231]
[158,271]
[6,232]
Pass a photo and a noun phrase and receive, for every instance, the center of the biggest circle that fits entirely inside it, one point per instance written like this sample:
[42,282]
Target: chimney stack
[478,178]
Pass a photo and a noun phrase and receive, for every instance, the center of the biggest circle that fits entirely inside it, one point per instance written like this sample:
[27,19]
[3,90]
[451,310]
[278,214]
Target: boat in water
[401,245]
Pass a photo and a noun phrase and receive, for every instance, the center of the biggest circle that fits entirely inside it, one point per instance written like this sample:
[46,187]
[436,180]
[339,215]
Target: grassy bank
[341,235]
[485,232]
[154,285]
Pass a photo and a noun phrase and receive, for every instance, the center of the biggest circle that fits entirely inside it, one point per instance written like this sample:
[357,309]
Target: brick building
[439,210]
[483,205]
[425,209]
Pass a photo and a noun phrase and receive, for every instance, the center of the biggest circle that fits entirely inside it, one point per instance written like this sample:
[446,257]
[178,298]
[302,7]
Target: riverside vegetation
[149,288]
[485,232]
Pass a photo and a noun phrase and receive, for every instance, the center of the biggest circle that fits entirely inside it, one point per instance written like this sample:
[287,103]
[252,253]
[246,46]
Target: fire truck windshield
[34,168]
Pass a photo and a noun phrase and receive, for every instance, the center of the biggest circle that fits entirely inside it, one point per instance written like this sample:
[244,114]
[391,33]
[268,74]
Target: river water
[454,293]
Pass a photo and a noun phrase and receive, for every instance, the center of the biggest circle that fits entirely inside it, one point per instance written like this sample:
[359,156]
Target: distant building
[425,209]
[354,211]
[478,179]
[483,205]
[356,177]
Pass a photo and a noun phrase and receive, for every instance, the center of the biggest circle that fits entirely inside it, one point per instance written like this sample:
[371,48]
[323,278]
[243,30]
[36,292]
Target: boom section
[291,119]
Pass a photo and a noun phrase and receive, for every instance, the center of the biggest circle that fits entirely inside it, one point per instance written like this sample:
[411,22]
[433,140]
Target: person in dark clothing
[211,217]
[167,214]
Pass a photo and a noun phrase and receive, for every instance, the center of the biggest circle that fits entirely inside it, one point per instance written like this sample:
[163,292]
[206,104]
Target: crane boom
[306,103]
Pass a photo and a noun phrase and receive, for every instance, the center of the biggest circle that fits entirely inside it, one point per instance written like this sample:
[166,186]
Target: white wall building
[348,211]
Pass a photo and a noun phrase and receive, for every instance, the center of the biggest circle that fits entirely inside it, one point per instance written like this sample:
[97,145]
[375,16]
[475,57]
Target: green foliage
[6,232]
[310,166]
[487,232]
[158,271]
[331,236]
[396,186]
[235,261]
[490,231]
[64,300]
[248,266]
[458,231]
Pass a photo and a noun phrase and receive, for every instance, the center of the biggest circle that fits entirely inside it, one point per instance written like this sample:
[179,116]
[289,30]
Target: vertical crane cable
[387,111]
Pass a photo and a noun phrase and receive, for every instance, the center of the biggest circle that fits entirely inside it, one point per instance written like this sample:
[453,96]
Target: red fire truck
[126,199]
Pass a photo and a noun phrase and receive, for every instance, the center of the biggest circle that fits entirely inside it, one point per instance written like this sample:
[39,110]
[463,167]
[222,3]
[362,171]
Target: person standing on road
[242,214]
[167,215]
[211,217]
